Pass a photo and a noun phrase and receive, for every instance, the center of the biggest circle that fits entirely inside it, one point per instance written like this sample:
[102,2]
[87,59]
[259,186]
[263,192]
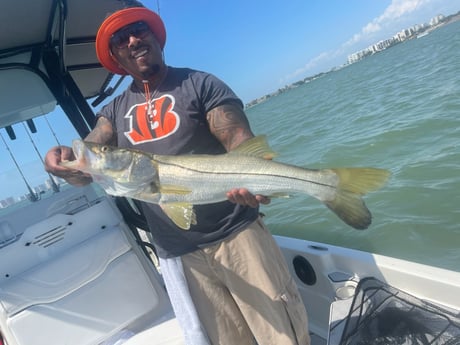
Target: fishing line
[33,195]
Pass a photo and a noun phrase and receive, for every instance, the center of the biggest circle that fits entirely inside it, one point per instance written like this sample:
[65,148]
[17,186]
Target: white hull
[347,267]
[72,273]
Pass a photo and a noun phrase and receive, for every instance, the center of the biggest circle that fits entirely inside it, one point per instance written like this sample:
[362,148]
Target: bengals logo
[158,123]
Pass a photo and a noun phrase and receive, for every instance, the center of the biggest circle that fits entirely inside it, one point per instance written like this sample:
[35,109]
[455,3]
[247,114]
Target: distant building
[7,202]
[401,36]
[437,20]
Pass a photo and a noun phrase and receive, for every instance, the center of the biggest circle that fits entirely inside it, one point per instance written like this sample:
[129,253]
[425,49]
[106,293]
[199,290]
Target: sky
[259,46]
[255,46]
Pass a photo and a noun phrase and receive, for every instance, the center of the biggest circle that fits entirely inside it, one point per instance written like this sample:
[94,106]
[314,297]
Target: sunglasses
[120,39]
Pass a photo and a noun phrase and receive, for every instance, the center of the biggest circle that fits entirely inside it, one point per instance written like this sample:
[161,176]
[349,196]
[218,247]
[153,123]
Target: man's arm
[229,124]
[101,134]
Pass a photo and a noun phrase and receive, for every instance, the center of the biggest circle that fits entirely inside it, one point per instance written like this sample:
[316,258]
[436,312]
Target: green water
[399,110]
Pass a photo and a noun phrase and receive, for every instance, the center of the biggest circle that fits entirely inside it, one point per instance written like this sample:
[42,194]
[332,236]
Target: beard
[150,72]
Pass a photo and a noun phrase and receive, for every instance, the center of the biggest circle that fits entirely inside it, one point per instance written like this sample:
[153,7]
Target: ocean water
[399,110]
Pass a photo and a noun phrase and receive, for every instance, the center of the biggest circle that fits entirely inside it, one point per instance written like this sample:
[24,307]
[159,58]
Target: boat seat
[76,278]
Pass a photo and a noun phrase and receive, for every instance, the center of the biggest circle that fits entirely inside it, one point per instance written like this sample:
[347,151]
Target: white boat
[423,34]
[73,269]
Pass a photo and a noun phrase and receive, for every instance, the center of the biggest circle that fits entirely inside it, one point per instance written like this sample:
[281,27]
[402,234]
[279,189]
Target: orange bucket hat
[118,20]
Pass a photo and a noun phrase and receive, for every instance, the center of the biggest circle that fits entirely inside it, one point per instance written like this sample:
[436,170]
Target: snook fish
[176,183]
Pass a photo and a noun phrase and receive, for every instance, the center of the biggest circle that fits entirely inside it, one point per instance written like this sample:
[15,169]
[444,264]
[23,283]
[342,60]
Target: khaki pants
[243,291]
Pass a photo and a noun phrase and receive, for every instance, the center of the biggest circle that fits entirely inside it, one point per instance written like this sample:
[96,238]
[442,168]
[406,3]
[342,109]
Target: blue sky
[258,46]
[255,46]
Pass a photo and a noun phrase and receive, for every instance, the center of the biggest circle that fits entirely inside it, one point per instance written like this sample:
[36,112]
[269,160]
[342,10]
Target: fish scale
[259,176]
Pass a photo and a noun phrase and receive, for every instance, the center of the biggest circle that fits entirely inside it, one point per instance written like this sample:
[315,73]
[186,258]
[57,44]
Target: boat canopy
[48,58]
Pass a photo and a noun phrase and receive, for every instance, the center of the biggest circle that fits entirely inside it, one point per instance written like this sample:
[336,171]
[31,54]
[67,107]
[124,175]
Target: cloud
[371,27]
[394,18]
[399,8]
[312,64]
[396,10]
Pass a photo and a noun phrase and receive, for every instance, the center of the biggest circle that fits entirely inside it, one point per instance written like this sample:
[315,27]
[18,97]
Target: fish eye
[104,148]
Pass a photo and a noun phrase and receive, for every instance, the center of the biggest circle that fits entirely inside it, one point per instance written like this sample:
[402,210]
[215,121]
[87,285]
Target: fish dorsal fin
[181,213]
[255,147]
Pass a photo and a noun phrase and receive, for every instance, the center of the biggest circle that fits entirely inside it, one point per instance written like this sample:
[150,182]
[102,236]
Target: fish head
[122,172]
[99,159]
[118,164]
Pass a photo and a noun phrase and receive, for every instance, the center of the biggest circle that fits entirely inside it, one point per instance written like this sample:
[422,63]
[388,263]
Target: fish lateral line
[234,173]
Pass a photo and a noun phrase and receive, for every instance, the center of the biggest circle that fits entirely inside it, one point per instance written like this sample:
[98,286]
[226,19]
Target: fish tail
[353,184]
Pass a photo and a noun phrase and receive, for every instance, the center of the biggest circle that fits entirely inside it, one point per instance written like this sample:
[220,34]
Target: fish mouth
[82,157]
[78,148]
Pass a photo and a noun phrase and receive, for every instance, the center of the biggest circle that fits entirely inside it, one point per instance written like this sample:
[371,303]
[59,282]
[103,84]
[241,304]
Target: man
[236,274]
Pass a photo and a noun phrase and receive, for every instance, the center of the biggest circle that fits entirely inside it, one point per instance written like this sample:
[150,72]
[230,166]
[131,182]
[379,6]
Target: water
[399,110]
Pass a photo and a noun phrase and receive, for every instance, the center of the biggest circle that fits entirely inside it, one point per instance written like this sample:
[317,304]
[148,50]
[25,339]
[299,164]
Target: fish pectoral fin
[279,195]
[255,147]
[147,197]
[182,214]
[173,189]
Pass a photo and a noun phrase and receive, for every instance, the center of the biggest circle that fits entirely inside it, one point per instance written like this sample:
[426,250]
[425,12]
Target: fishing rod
[32,196]
[52,132]
[54,185]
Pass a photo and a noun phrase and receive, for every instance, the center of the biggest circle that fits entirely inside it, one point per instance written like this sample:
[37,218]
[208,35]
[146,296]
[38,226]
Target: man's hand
[58,154]
[102,133]
[243,197]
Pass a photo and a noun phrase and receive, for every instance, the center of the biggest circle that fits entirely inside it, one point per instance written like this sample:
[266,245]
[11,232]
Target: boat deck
[317,340]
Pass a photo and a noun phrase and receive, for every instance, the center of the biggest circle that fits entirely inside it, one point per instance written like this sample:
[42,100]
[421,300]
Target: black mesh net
[381,314]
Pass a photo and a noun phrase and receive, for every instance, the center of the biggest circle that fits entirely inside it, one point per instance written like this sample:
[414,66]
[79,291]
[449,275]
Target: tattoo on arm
[102,133]
[229,124]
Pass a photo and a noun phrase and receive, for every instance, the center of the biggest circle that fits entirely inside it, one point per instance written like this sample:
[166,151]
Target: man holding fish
[237,277]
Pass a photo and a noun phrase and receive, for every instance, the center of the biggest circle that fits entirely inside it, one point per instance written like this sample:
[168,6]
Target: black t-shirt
[176,124]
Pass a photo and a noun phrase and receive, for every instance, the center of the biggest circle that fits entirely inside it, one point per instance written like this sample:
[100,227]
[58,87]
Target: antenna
[52,131]
[32,196]
[158,7]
